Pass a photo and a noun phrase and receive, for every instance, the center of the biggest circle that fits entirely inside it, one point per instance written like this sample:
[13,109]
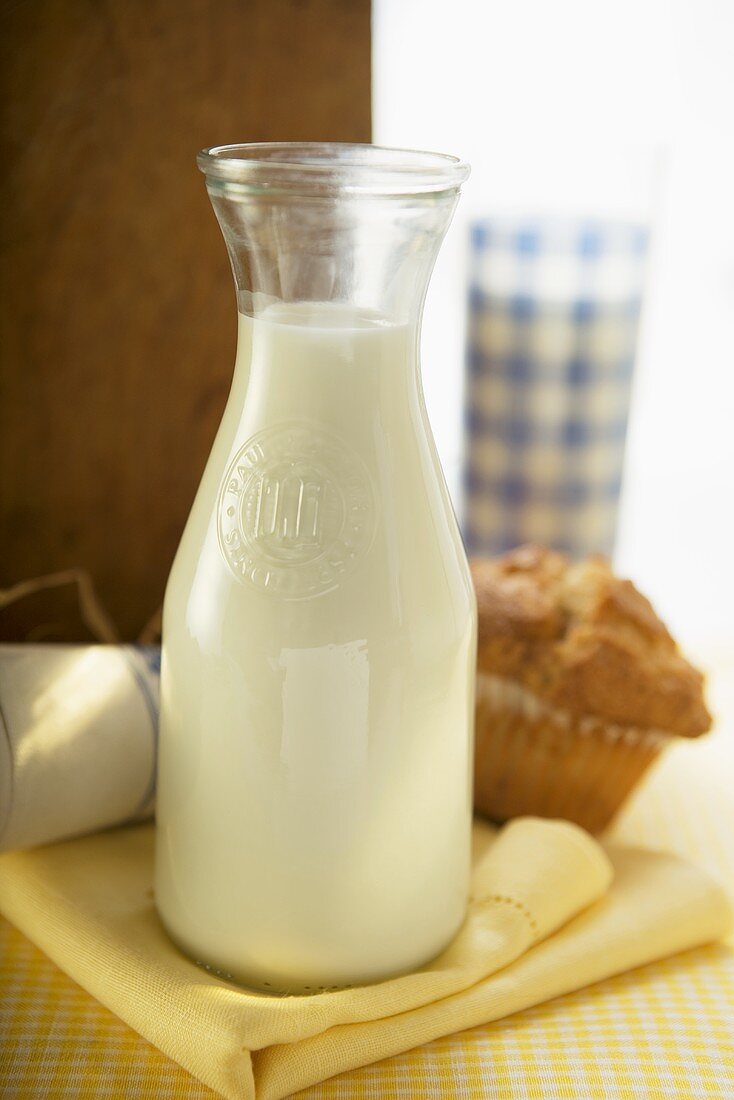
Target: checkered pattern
[664,1032]
[553,321]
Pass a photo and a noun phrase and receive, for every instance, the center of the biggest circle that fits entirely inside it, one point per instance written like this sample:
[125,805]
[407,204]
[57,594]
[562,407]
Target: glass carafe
[319,630]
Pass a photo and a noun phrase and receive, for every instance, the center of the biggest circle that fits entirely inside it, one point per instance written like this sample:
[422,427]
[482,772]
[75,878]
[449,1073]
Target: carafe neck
[350,226]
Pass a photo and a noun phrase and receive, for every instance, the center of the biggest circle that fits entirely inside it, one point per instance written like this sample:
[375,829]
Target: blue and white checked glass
[554,311]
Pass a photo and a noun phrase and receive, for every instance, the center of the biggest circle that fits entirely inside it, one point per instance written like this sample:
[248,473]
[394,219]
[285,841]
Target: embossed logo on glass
[295,511]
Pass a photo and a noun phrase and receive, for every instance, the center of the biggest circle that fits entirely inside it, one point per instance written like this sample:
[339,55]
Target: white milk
[317,686]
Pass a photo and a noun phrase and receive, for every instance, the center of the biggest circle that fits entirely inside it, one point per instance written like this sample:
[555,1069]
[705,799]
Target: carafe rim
[312,167]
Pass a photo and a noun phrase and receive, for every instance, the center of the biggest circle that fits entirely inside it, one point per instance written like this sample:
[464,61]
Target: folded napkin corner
[551,869]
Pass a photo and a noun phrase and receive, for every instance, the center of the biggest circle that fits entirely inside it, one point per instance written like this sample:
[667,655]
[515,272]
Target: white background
[609,108]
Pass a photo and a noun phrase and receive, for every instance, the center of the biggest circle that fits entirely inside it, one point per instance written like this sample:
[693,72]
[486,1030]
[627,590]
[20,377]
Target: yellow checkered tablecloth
[666,1030]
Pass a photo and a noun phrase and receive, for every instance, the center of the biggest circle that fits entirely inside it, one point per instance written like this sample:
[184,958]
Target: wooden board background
[117,307]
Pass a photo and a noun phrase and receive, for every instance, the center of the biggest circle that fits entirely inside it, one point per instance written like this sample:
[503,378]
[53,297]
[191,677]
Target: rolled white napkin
[78,733]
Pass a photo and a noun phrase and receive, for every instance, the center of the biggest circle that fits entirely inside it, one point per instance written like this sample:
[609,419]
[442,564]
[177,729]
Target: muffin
[579,688]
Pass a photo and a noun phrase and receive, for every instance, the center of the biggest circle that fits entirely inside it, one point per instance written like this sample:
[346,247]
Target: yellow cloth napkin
[550,912]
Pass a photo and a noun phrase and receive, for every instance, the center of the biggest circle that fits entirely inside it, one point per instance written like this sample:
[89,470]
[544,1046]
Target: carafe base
[275,985]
